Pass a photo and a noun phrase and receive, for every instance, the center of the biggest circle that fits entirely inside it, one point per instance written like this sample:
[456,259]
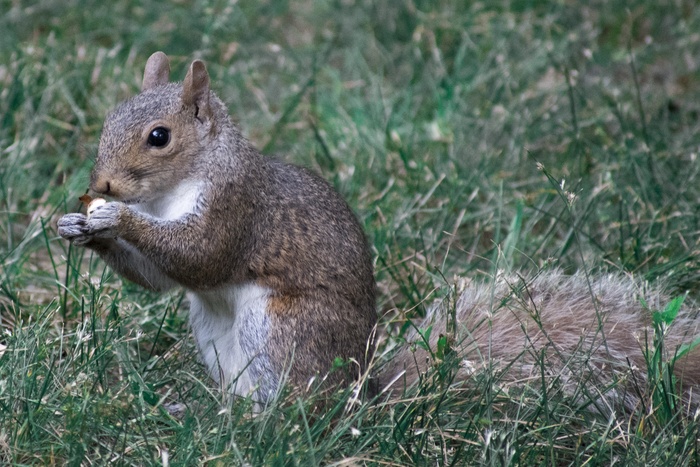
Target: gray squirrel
[277,268]
[279,274]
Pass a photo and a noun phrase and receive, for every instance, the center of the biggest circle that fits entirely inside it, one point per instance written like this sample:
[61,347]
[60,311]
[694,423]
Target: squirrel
[279,273]
[278,270]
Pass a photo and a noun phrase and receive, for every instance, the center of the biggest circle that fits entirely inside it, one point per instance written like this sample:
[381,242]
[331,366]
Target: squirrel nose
[101,186]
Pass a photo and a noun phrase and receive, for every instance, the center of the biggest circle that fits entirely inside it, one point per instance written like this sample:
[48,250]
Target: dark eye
[159,137]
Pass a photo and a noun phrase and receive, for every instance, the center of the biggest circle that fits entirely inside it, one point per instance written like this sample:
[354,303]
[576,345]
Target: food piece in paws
[94,204]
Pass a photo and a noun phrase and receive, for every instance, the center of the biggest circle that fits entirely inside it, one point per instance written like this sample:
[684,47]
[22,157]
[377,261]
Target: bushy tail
[597,332]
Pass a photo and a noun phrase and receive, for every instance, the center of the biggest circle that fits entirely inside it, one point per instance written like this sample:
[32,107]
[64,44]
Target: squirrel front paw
[73,227]
[103,222]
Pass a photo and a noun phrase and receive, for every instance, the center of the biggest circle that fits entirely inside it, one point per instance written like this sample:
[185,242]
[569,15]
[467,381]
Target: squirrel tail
[598,332]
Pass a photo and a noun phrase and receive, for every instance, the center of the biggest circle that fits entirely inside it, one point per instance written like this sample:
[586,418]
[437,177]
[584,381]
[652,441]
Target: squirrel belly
[231,327]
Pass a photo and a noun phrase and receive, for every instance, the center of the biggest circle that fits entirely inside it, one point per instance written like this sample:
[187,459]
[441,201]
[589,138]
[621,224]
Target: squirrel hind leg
[314,337]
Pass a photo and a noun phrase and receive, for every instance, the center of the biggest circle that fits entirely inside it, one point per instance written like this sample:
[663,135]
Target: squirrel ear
[195,89]
[157,71]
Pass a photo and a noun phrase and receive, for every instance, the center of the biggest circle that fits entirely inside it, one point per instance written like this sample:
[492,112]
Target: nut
[94,204]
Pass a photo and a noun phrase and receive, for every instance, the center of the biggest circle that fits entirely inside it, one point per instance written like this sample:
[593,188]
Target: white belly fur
[231,326]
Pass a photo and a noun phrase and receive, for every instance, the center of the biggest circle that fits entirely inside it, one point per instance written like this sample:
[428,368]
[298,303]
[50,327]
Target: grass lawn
[469,137]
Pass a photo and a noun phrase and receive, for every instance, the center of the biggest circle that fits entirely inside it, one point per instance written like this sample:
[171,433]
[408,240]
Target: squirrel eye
[159,137]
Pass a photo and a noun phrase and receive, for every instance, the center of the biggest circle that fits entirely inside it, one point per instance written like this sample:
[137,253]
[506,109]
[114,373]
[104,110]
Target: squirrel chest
[229,323]
[174,203]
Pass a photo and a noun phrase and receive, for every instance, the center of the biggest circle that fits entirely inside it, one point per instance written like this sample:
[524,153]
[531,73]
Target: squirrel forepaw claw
[104,220]
[73,227]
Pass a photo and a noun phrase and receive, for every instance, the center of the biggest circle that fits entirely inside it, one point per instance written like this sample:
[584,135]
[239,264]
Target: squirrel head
[155,140]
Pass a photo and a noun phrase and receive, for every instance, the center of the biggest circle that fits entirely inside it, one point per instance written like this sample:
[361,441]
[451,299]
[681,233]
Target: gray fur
[590,331]
[254,335]
[250,227]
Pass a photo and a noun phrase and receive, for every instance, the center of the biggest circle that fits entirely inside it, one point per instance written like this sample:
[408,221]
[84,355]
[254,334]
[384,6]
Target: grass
[468,136]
